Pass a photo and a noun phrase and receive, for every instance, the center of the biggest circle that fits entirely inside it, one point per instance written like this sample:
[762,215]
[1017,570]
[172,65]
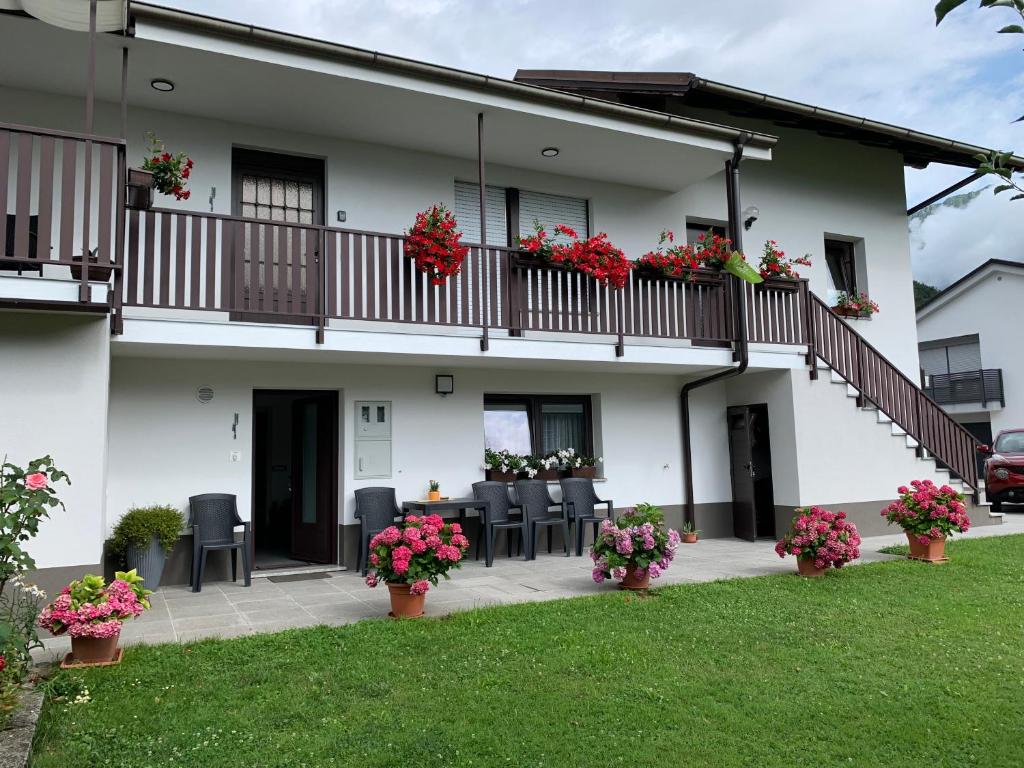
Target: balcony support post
[485,342]
[117,300]
[90,97]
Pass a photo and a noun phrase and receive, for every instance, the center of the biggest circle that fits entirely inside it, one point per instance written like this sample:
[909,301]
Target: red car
[1004,469]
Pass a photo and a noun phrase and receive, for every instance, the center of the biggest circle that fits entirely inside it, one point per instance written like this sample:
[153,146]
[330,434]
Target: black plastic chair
[580,499]
[213,518]
[533,497]
[375,510]
[498,519]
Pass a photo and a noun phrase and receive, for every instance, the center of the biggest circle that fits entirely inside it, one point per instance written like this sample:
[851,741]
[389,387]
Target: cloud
[878,58]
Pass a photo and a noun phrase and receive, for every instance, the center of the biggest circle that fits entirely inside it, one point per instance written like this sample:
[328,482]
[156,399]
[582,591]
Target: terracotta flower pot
[94,650]
[805,566]
[433,495]
[590,472]
[632,581]
[932,552]
[403,604]
[499,476]
[689,538]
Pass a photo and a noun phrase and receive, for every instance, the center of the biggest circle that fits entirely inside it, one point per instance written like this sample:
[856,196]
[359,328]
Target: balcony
[984,387]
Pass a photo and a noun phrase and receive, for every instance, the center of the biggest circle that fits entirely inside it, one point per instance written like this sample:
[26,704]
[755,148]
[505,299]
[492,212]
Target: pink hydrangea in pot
[412,555]
[819,539]
[91,612]
[928,514]
[635,548]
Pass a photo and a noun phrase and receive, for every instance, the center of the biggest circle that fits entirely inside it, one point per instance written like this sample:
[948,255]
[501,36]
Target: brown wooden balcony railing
[66,202]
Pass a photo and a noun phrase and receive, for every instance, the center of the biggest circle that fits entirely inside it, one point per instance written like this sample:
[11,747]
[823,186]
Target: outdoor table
[462,506]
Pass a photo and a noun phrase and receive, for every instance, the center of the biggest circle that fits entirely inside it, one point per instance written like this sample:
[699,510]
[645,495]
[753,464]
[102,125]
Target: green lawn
[897,663]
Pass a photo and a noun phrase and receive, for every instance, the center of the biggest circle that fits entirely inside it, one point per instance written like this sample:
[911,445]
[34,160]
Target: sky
[881,59]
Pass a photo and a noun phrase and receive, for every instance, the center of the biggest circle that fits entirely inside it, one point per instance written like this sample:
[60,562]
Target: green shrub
[140,524]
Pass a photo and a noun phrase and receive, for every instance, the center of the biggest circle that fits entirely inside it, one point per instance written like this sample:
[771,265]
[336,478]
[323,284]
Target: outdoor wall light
[160,84]
[550,151]
[750,216]
[444,384]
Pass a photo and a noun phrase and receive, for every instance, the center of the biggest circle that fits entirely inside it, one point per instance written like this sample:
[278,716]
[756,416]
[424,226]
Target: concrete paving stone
[339,598]
[208,622]
[214,633]
[278,613]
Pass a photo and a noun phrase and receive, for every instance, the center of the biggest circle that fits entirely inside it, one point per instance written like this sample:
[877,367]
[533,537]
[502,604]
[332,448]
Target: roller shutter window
[933,361]
[961,355]
[467,213]
[551,210]
[964,357]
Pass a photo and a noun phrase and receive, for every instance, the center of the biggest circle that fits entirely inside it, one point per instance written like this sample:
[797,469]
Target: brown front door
[744,511]
[314,464]
[275,255]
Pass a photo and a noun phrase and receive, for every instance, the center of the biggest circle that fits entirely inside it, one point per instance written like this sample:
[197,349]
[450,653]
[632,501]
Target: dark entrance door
[314,435]
[295,478]
[753,504]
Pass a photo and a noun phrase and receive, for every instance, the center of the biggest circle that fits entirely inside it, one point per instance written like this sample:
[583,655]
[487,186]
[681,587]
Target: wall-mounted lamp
[444,384]
[750,215]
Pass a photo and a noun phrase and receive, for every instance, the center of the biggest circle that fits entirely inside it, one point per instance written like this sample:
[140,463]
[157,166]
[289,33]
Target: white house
[268,333]
[969,357]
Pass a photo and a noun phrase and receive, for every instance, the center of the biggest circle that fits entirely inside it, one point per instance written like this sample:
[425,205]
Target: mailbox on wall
[372,439]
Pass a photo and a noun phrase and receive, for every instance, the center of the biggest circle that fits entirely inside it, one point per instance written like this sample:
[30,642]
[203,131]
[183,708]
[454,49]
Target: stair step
[911,442]
[837,379]
[897,429]
[882,418]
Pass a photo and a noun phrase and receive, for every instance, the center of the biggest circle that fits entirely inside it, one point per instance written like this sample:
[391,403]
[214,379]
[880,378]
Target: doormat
[299,577]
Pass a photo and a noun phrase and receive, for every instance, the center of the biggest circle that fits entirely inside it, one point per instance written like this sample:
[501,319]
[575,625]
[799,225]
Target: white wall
[988,307]
[54,373]
[813,187]
[166,446]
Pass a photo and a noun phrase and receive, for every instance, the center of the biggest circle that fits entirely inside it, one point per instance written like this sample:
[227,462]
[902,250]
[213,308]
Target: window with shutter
[467,213]
[551,210]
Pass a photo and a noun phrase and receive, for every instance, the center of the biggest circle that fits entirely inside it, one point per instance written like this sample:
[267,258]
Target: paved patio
[228,609]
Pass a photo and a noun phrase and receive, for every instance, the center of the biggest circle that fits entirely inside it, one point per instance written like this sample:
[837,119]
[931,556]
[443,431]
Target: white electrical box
[372,439]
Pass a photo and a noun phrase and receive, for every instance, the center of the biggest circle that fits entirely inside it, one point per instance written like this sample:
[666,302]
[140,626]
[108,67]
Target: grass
[892,664]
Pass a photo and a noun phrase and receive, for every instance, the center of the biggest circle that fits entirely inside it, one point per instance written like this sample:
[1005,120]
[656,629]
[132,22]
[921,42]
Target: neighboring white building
[268,333]
[969,353]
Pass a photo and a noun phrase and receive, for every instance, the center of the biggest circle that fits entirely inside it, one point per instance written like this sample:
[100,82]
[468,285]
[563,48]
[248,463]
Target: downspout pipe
[742,352]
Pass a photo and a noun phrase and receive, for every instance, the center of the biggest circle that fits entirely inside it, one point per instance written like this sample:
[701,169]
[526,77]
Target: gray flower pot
[148,562]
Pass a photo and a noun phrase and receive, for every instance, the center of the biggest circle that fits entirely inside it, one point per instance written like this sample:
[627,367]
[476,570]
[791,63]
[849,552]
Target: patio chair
[375,510]
[213,518]
[499,519]
[580,499]
[533,497]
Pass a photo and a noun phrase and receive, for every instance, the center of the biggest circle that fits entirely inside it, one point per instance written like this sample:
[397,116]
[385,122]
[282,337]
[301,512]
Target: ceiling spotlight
[550,151]
[161,84]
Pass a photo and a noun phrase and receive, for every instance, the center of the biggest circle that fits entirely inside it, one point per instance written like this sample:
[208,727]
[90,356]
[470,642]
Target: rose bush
[434,243]
[417,551]
[638,539]
[928,511]
[825,537]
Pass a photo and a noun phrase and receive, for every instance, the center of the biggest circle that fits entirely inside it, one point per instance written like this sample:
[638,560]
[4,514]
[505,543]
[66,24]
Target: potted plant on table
[635,548]
[502,466]
[434,244]
[778,270]
[412,555]
[928,514]
[854,305]
[820,540]
[144,538]
[433,491]
[690,533]
[92,612]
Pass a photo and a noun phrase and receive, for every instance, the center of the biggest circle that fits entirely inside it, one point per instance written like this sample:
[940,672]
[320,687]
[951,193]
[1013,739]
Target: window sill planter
[498,476]
[529,260]
[806,568]
[852,313]
[780,284]
[543,474]
[139,190]
[588,472]
[634,583]
[96,274]
[932,552]
[693,276]
[404,604]
[94,651]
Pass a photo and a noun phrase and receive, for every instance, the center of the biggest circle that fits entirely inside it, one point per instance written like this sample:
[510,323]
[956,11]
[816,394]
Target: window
[958,355]
[538,424]
[695,229]
[275,187]
[511,212]
[842,266]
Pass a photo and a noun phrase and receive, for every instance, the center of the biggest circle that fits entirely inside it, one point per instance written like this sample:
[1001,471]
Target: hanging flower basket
[139,190]
[434,243]
[594,256]
[170,173]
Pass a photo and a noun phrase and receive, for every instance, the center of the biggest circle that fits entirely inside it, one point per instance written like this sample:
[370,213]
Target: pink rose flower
[36,481]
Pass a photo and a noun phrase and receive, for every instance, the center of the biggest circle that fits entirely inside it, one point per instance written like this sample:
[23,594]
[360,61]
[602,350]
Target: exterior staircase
[875,384]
